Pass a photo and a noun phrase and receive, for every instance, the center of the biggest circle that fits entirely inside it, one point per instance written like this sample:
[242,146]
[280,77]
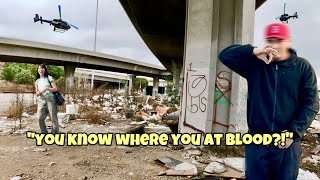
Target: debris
[131,173]
[194,152]
[39,149]
[236,163]
[215,167]
[157,129]
[308,159]
[173,116]
[138,123]
[24,114]
[315,124]
[161,110]
[306,175]
[316,150]
[16,178]
[168,162]
[177,168]
[230,173]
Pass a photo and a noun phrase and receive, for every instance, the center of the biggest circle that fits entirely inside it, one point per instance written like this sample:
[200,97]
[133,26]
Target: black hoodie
[282,95]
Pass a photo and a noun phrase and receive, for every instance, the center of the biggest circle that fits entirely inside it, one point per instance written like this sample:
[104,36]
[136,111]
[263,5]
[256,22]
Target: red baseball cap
[277,30]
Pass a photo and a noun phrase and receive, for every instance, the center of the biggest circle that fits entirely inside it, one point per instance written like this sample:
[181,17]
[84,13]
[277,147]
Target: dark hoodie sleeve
[309,105]
[237,58]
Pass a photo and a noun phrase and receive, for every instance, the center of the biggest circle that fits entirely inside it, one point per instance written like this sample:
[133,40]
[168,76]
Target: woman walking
[46,100]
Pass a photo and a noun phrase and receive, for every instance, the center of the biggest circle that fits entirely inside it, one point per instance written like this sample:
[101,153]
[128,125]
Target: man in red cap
[282,96]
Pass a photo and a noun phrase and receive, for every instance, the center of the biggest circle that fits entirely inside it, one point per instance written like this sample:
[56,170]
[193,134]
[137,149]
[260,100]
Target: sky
[117,36]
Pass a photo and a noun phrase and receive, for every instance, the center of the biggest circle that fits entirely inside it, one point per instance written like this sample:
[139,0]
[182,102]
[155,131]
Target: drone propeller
[73,26]
[284,8]
[278,17]
[59,10]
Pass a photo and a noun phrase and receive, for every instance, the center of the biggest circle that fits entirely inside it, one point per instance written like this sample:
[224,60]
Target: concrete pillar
[131,76]
[155,86]
[211,94]
[69,76]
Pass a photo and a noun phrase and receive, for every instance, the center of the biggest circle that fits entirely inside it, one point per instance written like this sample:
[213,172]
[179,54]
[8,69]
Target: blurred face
[281,45]
[41,71]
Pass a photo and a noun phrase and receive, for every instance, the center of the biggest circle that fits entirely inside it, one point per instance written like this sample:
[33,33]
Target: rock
[115,116]
[95,98]
[51,164]
[131,174]
[24,114]
[315,157]
[194,152]
[16,178]
[39,149]
[215,167]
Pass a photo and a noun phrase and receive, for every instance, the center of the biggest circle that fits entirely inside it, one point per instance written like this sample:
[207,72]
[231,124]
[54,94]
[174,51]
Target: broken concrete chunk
[306,175]
[194,152]
[316,150]
[215,167]
[38,149]
[168,162]
[236,163]
[186,167]
[157,129]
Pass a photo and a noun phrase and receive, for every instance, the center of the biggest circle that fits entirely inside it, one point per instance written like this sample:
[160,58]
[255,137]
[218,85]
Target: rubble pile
[136,110]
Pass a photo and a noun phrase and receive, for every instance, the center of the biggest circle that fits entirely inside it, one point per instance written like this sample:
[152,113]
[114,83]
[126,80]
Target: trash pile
[139,110]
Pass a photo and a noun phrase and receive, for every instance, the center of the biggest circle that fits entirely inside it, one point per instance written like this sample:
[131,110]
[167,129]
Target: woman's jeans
[47,104]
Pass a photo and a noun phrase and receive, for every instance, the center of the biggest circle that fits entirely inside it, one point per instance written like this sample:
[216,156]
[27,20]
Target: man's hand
[266,54]
[288,143]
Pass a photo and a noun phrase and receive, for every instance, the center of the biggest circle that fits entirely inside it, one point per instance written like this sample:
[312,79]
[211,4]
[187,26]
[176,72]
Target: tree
[24,77]
[140,83]
[7,74]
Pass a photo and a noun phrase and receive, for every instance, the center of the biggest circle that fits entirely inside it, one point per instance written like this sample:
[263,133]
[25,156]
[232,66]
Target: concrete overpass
[192,33]
[22,51]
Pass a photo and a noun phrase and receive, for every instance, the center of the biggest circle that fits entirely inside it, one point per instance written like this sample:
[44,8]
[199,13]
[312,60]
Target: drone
[59,24]
[285,17]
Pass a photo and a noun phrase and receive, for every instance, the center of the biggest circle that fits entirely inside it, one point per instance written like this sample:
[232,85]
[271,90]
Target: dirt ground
[83,162]
[19,156]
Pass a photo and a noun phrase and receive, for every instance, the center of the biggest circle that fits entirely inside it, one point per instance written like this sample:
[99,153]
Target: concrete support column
[69,76]
[155,88]
[211,91]
[131,76]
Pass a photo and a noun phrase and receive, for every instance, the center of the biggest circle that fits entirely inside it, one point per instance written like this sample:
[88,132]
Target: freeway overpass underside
[192,33]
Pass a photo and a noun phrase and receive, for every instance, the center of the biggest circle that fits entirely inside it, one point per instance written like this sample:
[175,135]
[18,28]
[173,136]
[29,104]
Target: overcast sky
[117,36]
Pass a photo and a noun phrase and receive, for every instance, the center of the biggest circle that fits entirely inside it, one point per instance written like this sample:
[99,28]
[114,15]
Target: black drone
[59,24]
[285,17]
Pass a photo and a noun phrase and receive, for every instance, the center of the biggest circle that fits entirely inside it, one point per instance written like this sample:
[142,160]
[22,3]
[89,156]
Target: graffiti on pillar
[223,86]
[196,86]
